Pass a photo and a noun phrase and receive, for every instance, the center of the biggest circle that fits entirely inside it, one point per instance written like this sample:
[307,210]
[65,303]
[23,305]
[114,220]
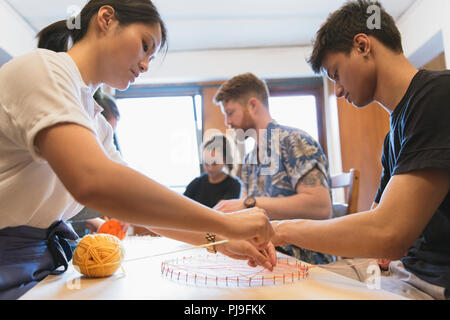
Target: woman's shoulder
[38,66]
[33,58]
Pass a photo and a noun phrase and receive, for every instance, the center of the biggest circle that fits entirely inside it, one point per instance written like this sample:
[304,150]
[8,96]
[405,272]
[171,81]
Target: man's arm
[406,207]
[382,262]
[312,201]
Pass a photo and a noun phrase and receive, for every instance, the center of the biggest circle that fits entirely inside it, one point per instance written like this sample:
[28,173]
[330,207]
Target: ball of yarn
[113,227]
[98,255]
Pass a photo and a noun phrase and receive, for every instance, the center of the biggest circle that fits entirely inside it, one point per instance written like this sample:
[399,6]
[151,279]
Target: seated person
[286,172]
[411,210]
[215,183]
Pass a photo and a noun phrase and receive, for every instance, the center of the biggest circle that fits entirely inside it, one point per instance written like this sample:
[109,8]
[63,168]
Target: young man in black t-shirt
[411,211]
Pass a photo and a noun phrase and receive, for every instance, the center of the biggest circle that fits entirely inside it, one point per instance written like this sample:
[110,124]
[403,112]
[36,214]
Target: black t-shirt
[420,138]
[209,194]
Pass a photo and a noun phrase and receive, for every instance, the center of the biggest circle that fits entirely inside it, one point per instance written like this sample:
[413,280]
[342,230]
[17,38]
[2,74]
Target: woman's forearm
[120,192]
[129,196]
[194,238]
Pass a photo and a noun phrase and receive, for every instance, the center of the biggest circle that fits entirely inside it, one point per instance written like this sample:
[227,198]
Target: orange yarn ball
[112,227]
[98,255]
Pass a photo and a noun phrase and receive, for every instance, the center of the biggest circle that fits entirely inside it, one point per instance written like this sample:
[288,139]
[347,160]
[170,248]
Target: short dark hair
[241,87]
[338,32]
[220,142]
[55,36]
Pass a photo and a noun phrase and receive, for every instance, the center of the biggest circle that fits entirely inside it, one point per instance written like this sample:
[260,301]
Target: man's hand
[279,237]
[250,224]
[228,206]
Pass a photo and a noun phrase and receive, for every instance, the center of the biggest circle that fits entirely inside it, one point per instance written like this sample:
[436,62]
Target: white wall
[16,36]
[333,139]
[210,65]
[425,29]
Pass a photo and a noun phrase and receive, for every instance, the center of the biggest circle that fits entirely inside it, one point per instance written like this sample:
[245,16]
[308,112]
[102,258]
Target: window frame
[277,87]
[161,91]
[300,87]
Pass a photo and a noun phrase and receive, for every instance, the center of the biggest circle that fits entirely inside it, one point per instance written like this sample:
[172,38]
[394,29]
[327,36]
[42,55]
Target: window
[296,111]
[159,138]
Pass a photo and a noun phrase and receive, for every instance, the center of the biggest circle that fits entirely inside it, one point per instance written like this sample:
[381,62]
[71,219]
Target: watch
[249,202]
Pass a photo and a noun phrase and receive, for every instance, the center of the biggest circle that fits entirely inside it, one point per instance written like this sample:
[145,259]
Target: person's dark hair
[241,88]
[110,109]
[56,36]
[338,32]
[220,143]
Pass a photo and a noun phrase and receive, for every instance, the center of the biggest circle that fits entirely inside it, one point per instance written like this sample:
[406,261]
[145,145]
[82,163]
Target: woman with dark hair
[57,153]
[215,184]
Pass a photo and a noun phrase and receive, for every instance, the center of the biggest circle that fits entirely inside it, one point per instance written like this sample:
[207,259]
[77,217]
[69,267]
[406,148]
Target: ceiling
[218,24]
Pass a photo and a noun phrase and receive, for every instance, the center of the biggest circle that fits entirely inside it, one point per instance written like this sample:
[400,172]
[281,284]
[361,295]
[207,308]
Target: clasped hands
[257,250]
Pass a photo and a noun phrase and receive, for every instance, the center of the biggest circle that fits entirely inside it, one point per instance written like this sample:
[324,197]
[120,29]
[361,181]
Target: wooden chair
[349,180]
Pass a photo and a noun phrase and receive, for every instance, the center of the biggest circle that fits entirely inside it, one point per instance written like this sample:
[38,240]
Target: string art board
[141,278]
[217,270]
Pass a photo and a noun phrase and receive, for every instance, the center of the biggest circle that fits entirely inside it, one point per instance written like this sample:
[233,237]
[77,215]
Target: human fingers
[244,250]
[259,257]
[252,263]
[270,252]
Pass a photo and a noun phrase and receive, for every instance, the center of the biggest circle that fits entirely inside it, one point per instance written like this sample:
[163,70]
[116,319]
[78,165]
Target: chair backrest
[349,180]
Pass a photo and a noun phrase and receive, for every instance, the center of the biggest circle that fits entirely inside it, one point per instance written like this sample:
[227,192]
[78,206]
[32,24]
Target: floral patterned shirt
[286,155]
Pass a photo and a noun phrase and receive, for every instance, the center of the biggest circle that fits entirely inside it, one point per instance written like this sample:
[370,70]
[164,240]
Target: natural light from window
[296,111]
[158,137]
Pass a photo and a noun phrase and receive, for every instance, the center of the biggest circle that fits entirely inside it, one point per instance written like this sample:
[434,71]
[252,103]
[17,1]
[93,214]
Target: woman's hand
[244,250]
[250,224]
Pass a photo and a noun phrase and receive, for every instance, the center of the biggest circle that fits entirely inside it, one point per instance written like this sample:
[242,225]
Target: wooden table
[142,279]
